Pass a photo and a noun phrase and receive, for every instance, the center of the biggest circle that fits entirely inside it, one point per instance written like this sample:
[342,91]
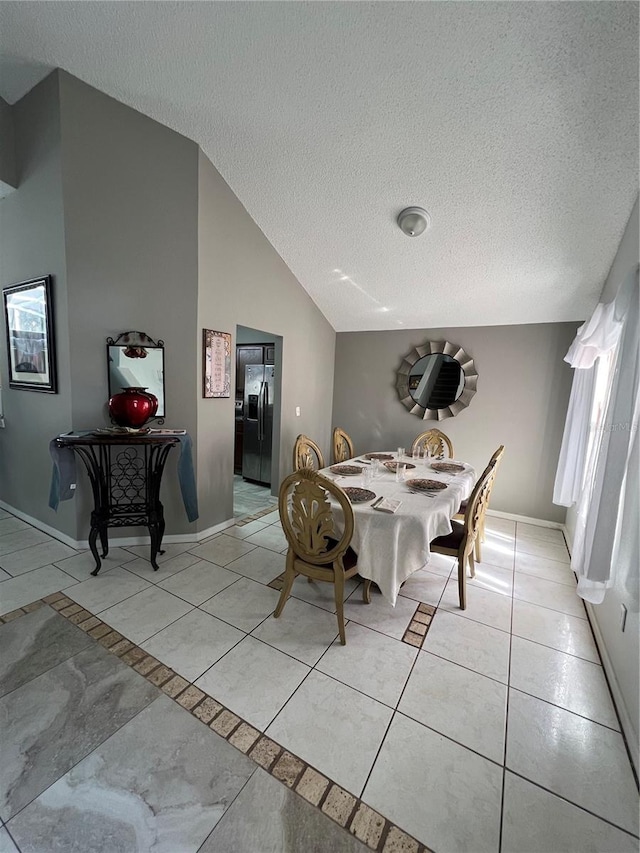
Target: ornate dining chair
[435,441]
[461,541]
[316,549]
[307,454]
[496,458]
[342,446]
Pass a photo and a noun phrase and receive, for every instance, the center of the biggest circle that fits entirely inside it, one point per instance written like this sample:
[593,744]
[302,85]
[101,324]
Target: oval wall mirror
[436,380]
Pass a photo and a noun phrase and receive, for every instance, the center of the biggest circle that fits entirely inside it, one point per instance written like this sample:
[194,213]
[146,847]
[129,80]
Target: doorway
[257,420]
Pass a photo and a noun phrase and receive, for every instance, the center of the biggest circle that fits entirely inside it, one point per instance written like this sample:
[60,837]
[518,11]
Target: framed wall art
[28,310]
[216,367]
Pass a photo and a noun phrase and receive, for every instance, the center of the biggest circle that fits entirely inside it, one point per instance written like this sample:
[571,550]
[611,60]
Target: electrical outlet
[623,617]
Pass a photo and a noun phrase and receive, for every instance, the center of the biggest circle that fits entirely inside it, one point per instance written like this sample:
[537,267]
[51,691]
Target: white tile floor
[500,735]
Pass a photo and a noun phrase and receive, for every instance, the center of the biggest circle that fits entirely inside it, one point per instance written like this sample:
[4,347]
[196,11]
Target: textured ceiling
[515,124]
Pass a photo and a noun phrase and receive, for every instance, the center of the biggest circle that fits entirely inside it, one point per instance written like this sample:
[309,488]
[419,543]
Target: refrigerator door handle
[261,412]
[265,403]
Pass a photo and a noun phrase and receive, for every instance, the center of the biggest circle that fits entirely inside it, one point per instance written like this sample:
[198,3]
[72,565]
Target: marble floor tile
[370,662]
[490,608]
[171,550]
[271,537]
[5,514]
[105,590]
[424,585]
[322,594]
[222,550]
[193,643]
[271,517]
[244,604]
[6,844]
[550,570]
[491,578]
[567,681]
[463,705]
[268,678]
[267,817]
[11,542]
[334,727]
[551,628]
[535,820]
[469,643]
[443,794]
[12,525]
[160,783]
[439,564]
[53,721]
[81,566]
[504,526]
[4,576]
[245,530]
[26,588]
[535,531]
[199,582]
[34,557]
[380,615]
[555,596]
[146,613]
[34,644]
[166,568]
[260,565]
[542,548]
[573,757]
[499,553]
[303,631]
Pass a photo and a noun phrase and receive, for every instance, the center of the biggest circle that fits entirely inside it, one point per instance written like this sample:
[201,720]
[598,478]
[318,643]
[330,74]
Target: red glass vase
[133,407]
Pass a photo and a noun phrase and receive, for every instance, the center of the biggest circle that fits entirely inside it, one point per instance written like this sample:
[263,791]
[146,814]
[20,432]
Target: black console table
[125,474]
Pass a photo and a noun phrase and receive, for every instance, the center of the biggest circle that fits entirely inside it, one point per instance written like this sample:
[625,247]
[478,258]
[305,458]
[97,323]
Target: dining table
[391,546]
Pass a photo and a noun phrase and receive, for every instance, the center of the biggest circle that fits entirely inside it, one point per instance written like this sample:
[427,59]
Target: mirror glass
[137,367]
[436,381]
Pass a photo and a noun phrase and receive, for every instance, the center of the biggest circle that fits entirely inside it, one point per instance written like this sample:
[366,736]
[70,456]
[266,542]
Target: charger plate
[393,466]
[426,485]
[447,467]
[357,495]
[346,470]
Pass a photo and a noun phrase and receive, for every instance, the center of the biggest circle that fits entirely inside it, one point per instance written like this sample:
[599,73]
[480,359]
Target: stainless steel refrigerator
[259,385]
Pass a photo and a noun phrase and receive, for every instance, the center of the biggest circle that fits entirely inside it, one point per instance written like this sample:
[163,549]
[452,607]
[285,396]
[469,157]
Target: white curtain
[594,338]
[608,496]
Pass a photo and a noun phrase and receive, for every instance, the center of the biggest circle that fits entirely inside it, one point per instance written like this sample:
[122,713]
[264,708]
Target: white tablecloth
[391,546]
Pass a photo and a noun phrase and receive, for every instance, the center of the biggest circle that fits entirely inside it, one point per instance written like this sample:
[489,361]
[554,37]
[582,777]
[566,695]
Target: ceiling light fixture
[414,221]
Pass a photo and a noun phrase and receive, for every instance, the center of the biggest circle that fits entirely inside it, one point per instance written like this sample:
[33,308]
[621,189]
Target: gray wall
[243,281]
[621,648]
[130,205]
[523,390]
[32,243]
[8,169]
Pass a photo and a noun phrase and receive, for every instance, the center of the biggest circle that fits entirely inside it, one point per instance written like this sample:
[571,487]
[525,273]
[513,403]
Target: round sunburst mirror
[436,380]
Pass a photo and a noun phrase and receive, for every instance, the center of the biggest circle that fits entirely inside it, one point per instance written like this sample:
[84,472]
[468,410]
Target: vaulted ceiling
[515,124]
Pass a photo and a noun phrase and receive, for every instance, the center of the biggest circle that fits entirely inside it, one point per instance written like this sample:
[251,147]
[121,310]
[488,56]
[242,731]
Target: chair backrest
[477,504]
[307,518]
[495,460]
[342,446]
[437,443]
[306,454]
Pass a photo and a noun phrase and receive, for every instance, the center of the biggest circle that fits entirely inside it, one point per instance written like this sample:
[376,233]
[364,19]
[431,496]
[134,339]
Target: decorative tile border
[247,519]
[418,629]
[348,811]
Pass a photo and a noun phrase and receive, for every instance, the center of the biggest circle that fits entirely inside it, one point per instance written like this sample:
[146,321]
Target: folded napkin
[388,505]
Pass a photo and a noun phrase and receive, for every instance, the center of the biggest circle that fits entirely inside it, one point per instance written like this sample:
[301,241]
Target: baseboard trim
[114,541]
[525,519]
[630,735]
